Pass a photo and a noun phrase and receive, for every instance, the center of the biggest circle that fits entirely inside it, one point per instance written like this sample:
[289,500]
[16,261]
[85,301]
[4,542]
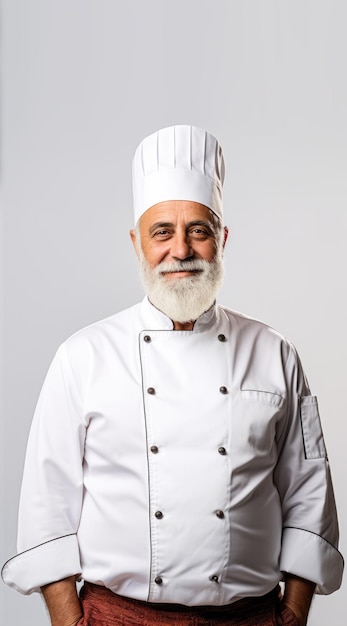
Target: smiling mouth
[181,273]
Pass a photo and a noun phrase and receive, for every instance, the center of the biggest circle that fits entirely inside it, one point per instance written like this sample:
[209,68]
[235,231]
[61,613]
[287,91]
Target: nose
[181,248]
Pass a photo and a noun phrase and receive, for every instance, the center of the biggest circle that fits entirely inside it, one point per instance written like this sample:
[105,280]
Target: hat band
[177,184]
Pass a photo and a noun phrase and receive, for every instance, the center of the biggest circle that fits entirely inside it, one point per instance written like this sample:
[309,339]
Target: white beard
[183,299]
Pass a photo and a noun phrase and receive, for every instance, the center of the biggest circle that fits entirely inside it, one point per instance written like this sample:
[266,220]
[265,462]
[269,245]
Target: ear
[134,241]
[226,234]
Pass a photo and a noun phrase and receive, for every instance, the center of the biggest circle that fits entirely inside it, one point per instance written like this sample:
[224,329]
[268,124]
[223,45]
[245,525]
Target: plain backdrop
[83,82]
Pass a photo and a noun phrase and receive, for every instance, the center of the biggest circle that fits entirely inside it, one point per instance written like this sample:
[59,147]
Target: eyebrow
[205,223]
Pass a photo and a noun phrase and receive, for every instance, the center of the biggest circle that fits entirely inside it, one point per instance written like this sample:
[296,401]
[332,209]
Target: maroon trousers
[101,607]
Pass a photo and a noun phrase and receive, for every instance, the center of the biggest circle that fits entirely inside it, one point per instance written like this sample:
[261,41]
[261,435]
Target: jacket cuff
[49,562]
[309,556]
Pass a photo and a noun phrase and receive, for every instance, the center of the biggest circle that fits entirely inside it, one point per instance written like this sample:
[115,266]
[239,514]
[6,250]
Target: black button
[222,337]
[158,580]
[158,514]
[220,514]
[154,449]
[223,389]
[214,578]
[147,339]
[222,450]
[151,391]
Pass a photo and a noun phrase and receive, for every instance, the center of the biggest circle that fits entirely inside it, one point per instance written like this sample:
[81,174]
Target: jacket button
[222,450]
[222,337]
[158,514]
[223,389]
[214,578]
[151,391]
[154,449]
[220,514]
[147,339]
[158,580]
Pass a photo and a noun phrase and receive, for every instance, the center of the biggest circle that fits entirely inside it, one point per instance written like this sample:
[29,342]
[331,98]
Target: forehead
[174,211]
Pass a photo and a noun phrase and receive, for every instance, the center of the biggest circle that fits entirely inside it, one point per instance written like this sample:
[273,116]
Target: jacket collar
[157,320]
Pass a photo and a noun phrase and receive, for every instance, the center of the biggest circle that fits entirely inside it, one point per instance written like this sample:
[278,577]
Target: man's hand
[298,594]
[63,602]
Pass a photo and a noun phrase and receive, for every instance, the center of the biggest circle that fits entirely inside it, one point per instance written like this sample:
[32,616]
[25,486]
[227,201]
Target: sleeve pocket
[311,428]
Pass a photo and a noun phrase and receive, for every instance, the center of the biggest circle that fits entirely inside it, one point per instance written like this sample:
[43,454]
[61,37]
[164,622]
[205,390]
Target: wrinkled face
[180,246]
[177,230]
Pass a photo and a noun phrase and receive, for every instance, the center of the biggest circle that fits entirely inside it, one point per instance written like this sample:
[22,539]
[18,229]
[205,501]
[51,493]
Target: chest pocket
[311,428]
[264,397]
[255,416]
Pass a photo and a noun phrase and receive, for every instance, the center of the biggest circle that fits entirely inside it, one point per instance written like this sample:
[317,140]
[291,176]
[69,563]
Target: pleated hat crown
[178,163]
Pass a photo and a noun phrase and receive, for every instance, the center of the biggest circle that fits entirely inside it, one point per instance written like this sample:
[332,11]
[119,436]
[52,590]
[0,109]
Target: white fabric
[130,382]
[178,163]
[33,568]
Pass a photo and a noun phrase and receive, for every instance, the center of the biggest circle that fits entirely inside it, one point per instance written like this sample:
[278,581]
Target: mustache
[192,265]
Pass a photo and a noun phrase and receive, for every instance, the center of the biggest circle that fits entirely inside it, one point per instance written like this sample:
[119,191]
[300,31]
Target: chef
[176,462]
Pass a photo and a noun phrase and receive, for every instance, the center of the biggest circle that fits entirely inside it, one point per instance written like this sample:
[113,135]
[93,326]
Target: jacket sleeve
[310,527]
[52,487]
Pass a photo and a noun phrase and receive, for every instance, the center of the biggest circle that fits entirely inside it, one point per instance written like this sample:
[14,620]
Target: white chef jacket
[185,467]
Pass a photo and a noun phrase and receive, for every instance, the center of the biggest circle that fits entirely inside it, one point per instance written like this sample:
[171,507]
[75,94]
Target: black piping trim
[317,535]
[148,474]
[302,433]
[35,547]
[263,391]
[316,457]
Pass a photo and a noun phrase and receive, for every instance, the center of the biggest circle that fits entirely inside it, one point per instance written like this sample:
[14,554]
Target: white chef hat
[178,163]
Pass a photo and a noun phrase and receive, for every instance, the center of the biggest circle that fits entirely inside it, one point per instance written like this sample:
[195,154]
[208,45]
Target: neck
[183,326]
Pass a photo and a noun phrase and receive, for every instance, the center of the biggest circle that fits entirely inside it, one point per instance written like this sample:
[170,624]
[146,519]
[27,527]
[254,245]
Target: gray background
[83,82]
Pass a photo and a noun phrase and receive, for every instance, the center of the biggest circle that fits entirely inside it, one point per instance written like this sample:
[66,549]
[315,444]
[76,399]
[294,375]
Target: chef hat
[178,163]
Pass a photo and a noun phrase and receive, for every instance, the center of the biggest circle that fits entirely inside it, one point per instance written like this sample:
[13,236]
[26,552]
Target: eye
[163,232]
[199,232]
